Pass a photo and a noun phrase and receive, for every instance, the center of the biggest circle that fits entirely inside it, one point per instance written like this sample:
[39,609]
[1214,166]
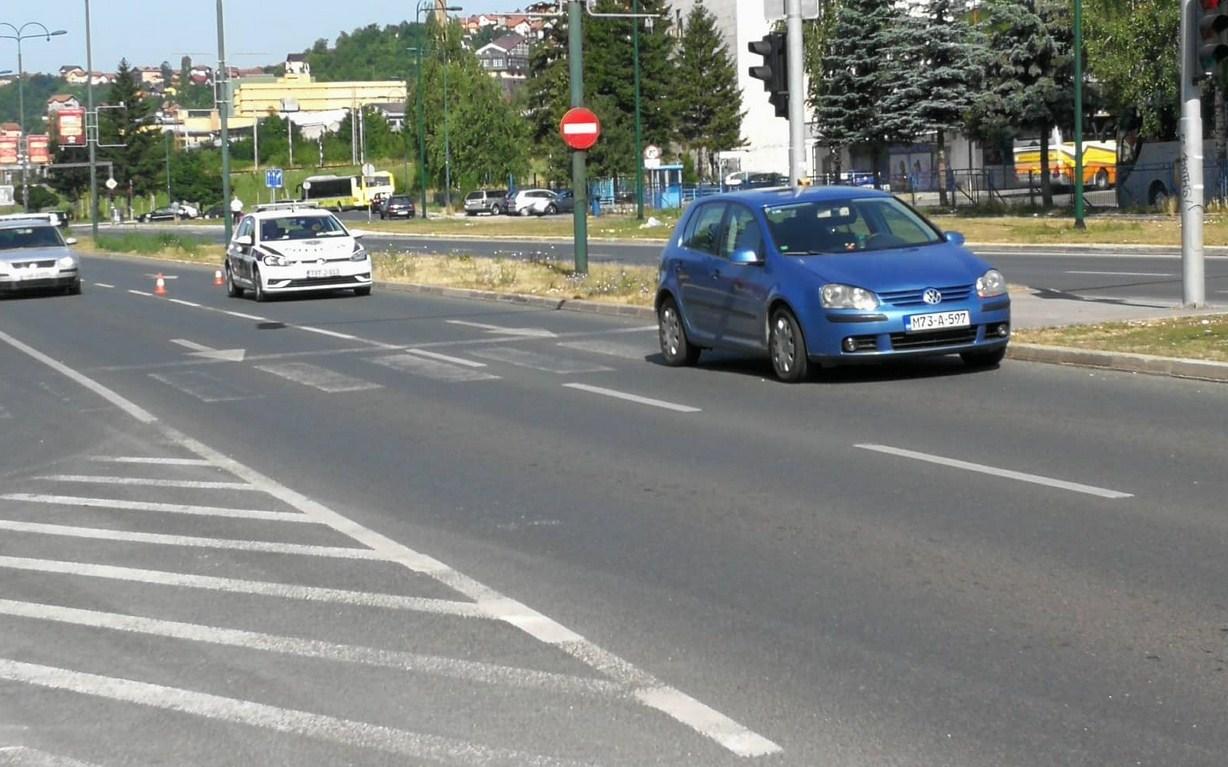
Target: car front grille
[33,264]
[913,297]
[953,337]
[320,282]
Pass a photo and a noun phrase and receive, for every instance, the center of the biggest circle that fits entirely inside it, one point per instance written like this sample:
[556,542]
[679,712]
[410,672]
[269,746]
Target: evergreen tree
[185,74]
[706,91]
[131,124]
[369,53]
[856,79]
[937,70]
[545,98]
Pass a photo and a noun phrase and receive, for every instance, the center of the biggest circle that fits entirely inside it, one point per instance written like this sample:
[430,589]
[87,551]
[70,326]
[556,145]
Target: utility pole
[1193,287]
[797,95]
[579,170]
[639,131]
[91,140]
[1078,115]
[223,106]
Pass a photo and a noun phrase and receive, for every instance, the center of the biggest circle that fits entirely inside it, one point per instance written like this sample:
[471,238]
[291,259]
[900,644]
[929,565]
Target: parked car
[187,210]
[565,201]
[165,213]
[34,255]
[215,211]
[764,180]
[490,201]
[826,275]
[397,206]
[531,202]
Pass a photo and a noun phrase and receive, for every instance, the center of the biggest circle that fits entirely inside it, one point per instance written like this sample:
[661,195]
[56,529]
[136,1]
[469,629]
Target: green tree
[545,98]
[38,88]
[368,53]
[128,123]
[706,91]
[1132,53]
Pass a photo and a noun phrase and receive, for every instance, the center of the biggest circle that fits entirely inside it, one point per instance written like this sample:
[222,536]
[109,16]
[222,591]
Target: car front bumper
[62,279]
[847,337]
[332,275]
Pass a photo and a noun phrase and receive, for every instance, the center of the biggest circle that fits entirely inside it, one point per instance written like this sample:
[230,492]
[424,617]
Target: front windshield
[300,228]
[843,226]
[30,237]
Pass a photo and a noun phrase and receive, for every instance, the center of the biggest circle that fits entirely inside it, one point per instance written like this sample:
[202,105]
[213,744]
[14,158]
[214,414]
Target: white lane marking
[434,369]
[140,293]
[347,732]
[189,541]
[4,413]
[168,508]
[502,331]
[323,332]
[537,361]
[103,285]
[95,479]
[123,403]
[1124,274]
[470,671]
[185,343]
[209,353]
[202,386]
[243,316]
[1035,479]
[747,743]
[150,460]
[707,721]
[181,302]
[317,377]
[633,398]
[636,352]
[447,358]
[239,586]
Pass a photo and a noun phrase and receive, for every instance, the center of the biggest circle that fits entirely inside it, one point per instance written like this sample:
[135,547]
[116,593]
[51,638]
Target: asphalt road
[403,529]
[1148,277]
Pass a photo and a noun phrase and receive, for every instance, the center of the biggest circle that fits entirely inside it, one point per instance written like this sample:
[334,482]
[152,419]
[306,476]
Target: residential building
[297,65]
[507,60]
[61,101]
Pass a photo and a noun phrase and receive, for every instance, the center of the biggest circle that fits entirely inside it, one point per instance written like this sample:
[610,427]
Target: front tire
[983,359]
[363,291]
[74,289]
[787,347]
[551,210]
[258,287]
[232,290]
[671,332]
[495,210]
[525,213]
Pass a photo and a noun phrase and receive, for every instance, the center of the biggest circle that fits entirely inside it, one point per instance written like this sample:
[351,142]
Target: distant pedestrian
[236,208]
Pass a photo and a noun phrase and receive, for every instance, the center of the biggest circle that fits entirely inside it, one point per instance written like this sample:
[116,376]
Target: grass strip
[1202,337]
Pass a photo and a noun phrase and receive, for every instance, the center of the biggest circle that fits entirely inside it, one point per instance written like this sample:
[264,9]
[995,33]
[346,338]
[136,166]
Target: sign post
[580,130]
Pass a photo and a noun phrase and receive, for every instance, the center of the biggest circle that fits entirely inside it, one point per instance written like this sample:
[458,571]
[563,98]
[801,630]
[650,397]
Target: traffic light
[774,72]
[1212,40]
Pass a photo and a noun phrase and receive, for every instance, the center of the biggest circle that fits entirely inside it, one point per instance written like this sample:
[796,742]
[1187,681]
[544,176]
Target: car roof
[21,222]
[784,195]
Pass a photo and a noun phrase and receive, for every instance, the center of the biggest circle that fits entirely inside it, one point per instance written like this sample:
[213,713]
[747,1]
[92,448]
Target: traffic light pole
[797,96]
[1193,282]
[579,172]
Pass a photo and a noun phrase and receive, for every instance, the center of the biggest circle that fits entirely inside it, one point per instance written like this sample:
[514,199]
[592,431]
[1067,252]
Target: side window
[704,229]
[245,228]
[742,233]
[900,224]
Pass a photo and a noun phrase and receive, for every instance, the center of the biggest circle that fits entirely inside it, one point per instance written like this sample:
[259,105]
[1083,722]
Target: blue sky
[148,33]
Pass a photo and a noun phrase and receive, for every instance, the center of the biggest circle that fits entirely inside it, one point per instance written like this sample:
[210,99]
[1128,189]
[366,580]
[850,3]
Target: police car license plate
[937,321]
[313,274]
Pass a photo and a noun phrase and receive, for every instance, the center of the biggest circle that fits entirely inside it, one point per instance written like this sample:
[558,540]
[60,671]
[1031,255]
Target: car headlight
[991,283]
[274,259]
[837,296]
[360,253]
[66,262]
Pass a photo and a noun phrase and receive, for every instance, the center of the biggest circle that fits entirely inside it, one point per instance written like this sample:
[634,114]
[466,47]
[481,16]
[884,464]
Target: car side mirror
[955,238]
[746,257]
[70,241]
[357,234]
[245,240]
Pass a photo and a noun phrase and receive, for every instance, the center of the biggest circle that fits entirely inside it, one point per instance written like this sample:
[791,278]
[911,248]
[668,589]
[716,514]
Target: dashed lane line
[243,316]
[1035,479]
[167,508]
[181,302]
[659,403]
[546,363]
[447,358]
[141,293]
[189,541]
[150,460]
[104,285]
[346,732]
[191,484]
[240,586]
[452,668]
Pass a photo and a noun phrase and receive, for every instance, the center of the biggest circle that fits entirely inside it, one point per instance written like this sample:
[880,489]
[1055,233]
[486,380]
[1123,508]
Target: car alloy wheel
[232,290]
[258,287]
[671,332]
[788,348]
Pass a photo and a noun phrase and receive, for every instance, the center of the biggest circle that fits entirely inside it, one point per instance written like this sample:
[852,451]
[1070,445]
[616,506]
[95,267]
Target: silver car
[34,256]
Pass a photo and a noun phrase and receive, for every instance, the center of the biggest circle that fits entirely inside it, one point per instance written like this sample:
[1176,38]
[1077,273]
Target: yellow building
[300,93]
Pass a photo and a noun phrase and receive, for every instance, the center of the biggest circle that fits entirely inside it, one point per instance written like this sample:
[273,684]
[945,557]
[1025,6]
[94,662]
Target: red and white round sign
[580,128]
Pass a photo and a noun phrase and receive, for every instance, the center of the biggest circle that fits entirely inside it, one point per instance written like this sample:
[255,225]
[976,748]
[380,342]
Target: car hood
[901,269]
[22,255]
[311,250]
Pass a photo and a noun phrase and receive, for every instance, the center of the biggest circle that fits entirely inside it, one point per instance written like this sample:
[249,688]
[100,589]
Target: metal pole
[224,116]
[447,150]
[21,118]
[579,180]
[256,144]
[91,141]
[1193,283]
[797,93]
[169,199]
[639,131]
[421,118]
[1078,115]
[290,140]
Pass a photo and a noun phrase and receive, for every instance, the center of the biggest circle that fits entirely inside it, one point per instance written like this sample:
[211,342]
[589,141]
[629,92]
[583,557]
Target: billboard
[70,127]
[8,150]
[38,149]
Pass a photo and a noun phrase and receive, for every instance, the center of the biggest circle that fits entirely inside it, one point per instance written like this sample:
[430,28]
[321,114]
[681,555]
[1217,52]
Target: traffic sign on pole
[580,128]
[273,178]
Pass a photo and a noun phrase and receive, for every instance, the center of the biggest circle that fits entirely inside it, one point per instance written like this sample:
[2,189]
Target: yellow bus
[347,192]
[1099,163]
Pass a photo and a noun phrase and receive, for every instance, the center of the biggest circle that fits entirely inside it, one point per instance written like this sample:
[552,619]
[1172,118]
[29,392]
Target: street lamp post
[91,141]
[19,34]
[418,101]
[1078,115]
[224,116]
[639,136]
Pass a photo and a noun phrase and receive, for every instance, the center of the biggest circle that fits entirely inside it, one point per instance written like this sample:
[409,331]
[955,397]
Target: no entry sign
[580,128]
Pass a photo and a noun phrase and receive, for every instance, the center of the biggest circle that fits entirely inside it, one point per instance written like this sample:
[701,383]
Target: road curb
[1176,367]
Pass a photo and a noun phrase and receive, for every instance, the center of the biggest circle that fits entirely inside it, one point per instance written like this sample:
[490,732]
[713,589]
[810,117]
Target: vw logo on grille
[931,296]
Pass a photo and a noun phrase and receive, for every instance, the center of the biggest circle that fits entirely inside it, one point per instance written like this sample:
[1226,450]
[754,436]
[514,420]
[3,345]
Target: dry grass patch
[634,285]
[1203,337]
[602,227]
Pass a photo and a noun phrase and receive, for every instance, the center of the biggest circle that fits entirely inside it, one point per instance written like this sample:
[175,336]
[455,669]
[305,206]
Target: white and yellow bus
[347,192]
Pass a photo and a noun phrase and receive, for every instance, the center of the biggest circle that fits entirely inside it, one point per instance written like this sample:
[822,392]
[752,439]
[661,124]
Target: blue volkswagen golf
[825,276]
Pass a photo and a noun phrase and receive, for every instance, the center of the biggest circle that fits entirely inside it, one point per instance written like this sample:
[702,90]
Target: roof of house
[61,98]
[296,57]
[508,42]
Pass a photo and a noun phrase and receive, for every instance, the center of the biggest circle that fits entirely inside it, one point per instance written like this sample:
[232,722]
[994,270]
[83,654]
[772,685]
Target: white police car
[35,256]
[294,248]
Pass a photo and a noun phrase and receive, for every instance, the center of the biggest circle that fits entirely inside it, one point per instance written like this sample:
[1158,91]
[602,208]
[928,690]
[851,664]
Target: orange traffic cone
[159,286]
[217,278]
